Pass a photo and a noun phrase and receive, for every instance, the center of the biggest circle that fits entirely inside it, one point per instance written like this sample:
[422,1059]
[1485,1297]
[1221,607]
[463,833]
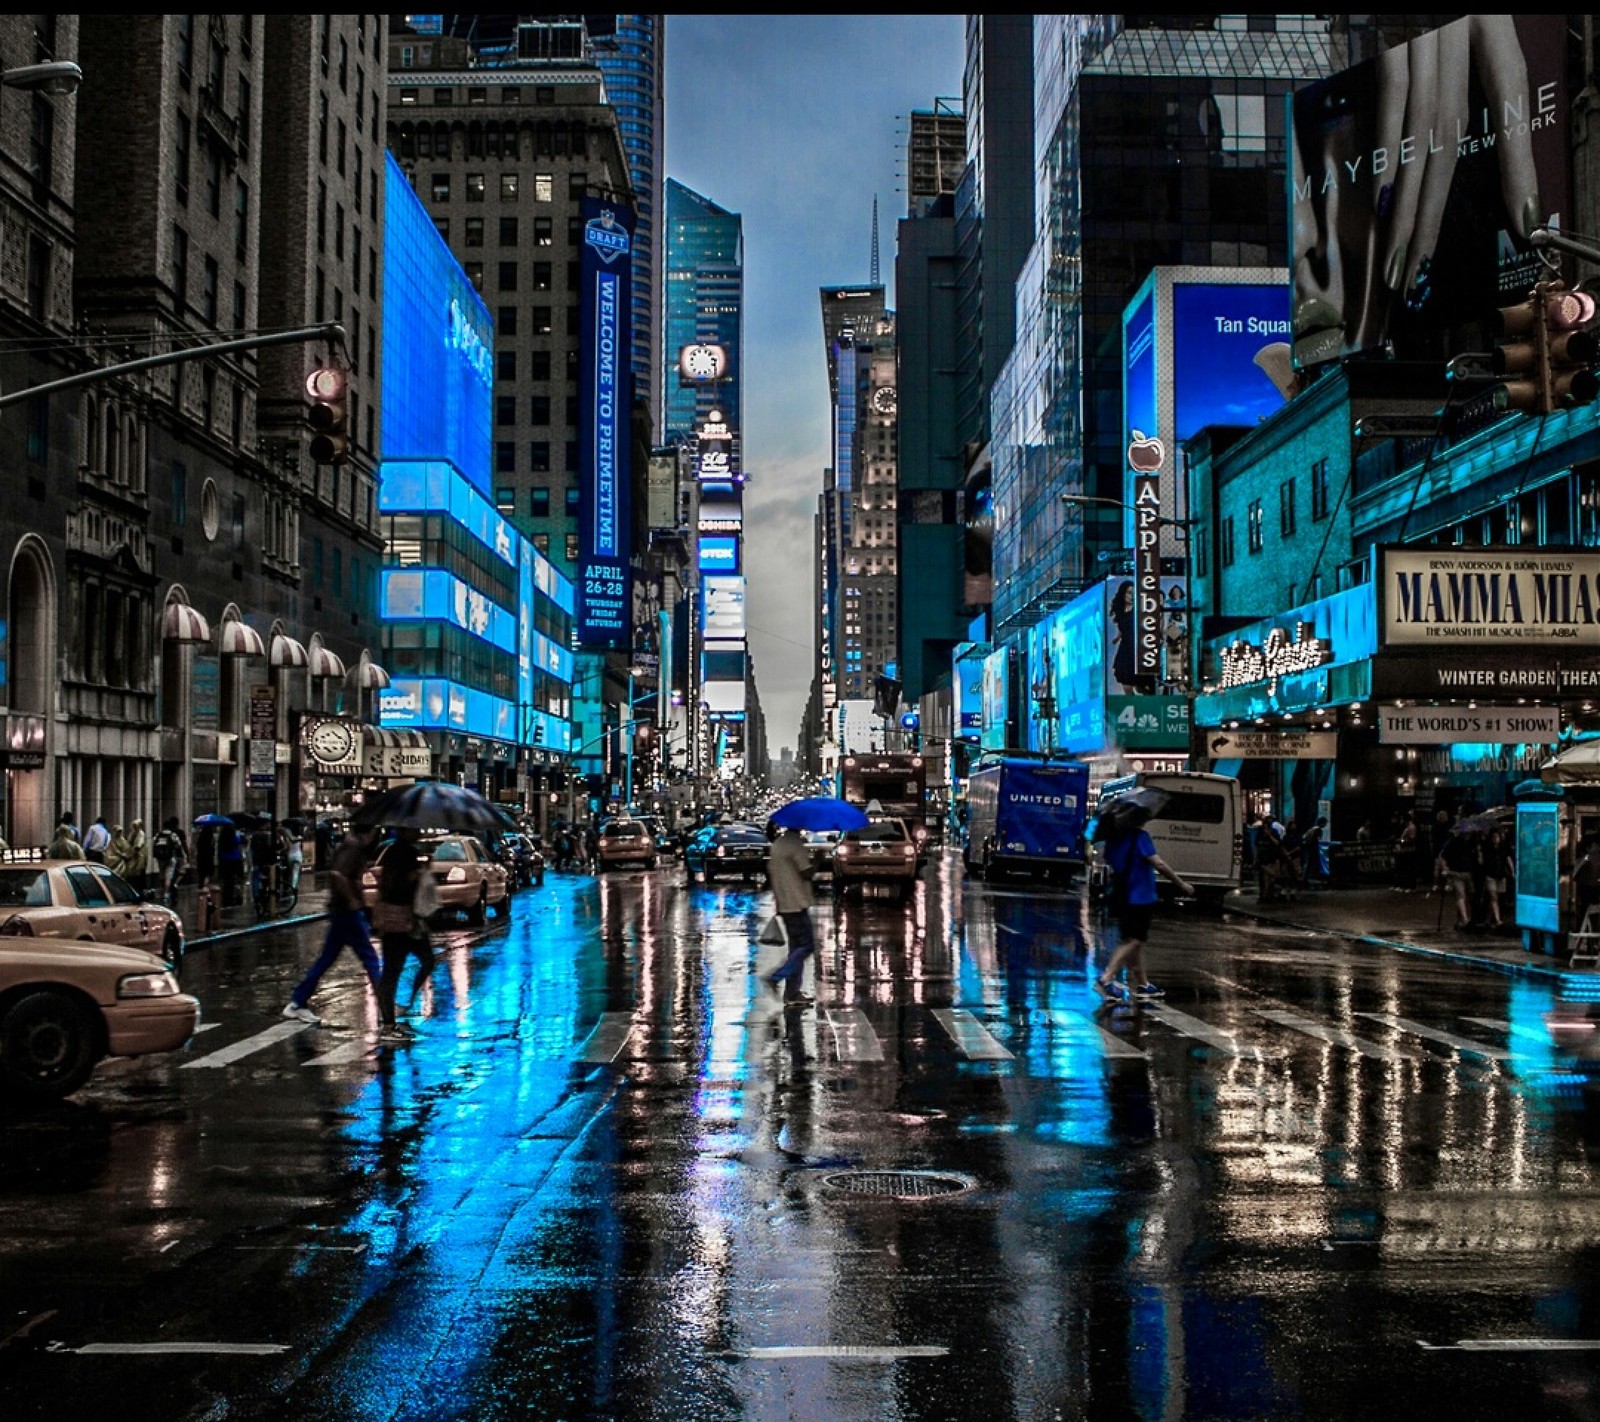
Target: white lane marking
[853,1037]
[1336,1035]
[609,1037]
[1078,1027]
[1514,1345]
[312,1247]
[228,1055]
[142,1349]
[343,1055]
[206,1027]
[1511,1029]
[1205,1032]
[971,1036]
[859,1352]
[1433,1034]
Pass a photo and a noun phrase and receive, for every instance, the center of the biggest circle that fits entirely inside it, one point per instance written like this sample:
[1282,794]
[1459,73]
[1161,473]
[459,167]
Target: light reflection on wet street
[615,1176]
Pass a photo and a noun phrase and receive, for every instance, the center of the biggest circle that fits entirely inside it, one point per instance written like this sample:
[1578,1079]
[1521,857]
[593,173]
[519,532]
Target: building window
[508,232]
[577,184]
[443,97]
[541,318]
[1225,553]
[511,94]
[508,187]
[539,503]
[180,160]
[441,187]
[505,499]
[238,526]
[1319,490]
[572,456]
[539,410]
[544,232]
[244,114]
[505,457]
[572,502]
[239,321]
[42,142]
[209,292]
[322,128]
[474,271]
[539,456]
[539,365]
[506,365]
[505,409]
[1254,529]
[441,225]
[185,48]
[180,267]
[1286,508]
[241,220]
[344,142]
[541,542]
[38,277]
[474,233]
[542,276]
[508,276]
[572,548]
[505,320]
[475,187]
[544,187]
[180,494]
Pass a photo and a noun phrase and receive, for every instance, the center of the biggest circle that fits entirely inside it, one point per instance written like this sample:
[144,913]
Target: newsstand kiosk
[1556,814]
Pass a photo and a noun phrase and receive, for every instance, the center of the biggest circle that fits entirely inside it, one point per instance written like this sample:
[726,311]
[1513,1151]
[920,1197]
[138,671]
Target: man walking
[347,927]
[1132,859]
[789,871]
[96,840]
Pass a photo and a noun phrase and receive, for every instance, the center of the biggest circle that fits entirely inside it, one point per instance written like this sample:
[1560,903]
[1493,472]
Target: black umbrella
[433,804]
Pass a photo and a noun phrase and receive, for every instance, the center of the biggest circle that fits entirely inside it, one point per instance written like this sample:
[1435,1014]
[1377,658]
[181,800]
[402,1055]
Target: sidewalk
[1412,922]
[242,918]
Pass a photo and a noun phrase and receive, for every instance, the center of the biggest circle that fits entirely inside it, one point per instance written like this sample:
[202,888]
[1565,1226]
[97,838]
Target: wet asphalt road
[617,1177]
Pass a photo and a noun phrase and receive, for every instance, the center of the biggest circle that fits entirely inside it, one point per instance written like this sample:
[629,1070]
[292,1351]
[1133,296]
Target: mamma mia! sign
[1534,599]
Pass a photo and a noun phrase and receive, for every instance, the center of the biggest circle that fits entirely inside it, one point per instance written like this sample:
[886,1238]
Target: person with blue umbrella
[789,871]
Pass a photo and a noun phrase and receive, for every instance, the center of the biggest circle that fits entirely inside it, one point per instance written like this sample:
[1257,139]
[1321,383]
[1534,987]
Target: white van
[1200,829]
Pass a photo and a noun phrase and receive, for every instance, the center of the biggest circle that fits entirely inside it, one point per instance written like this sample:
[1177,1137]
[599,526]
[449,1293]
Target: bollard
[210,911]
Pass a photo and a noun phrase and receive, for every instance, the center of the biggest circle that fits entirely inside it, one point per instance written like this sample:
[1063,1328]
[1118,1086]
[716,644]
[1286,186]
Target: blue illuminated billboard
[438,343]
[605,425]
[719,554]
[437,704]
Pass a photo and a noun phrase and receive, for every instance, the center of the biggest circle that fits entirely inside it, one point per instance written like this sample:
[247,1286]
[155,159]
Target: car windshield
[24,888]
[881,832]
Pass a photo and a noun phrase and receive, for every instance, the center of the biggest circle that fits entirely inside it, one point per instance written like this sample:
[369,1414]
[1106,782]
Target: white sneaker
[302,1014]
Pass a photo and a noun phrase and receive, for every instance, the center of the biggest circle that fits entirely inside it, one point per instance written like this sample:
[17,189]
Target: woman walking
[407,899]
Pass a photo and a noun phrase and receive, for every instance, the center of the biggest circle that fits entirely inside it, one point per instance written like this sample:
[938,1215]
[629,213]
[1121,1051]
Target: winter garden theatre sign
[1495,620]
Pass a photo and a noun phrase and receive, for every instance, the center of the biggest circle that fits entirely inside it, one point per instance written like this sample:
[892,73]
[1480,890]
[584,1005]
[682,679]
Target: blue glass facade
[704,305]
[477,623]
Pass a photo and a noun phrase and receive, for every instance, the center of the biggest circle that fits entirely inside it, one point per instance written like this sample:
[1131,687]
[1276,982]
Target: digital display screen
[719,554]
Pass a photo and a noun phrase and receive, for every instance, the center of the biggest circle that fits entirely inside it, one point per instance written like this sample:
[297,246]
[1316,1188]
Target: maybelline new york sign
[1460,599]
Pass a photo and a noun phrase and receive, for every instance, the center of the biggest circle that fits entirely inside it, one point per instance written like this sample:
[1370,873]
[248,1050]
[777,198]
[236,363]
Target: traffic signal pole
[330,331]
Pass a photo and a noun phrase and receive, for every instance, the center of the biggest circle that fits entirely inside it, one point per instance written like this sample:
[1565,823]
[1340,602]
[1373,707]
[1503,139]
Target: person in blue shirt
[1131,858]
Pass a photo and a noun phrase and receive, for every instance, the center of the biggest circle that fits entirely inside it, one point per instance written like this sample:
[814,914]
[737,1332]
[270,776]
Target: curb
[260,927]
[1565,978]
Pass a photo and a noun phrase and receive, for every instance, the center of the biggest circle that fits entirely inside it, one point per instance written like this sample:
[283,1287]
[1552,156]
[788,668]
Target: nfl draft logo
[609,240]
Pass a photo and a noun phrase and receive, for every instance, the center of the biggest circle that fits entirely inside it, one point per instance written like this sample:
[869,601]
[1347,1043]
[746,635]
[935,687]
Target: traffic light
[1549,352]
[644,738]
[328,387]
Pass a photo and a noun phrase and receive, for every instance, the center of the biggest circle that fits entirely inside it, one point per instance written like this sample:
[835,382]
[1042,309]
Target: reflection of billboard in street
[724,608]
[1218,319]
[1416,178]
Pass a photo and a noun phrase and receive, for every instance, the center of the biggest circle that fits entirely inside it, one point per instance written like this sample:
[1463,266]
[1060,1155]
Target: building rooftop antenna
[874,280]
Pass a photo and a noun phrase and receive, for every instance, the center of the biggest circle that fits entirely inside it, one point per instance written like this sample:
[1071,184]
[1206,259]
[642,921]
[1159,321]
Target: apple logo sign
[1145,455]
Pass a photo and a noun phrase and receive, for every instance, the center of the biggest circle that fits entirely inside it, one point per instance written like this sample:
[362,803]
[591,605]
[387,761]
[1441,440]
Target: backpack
[165,847]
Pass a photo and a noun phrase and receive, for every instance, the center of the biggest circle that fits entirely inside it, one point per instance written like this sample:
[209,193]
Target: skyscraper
[704,305]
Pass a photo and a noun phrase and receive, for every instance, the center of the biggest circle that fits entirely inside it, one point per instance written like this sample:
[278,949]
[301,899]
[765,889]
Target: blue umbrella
[820,812]
[212,820]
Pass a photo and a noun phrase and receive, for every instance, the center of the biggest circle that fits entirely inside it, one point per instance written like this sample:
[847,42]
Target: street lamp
[56,76]
[1183,525]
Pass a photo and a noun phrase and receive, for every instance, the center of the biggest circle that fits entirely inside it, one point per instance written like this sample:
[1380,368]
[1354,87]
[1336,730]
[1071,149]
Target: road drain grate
[900,1184]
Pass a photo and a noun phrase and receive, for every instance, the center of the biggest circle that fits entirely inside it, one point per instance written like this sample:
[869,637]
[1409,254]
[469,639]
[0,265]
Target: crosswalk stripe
[1433,1034]
[1511,1029]
[237,1051]
[609,1037]
[975,1041]
[343,1055]
[1336,1035]
[1076,1025]
[1211,1036]
[853,1037]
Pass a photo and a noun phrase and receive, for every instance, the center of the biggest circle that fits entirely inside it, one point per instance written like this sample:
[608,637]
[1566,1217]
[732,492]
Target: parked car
[667,842]
[731,851]
[523,859]
[70,898]
[883,852]
[464,872]
[624,842]
[76,985]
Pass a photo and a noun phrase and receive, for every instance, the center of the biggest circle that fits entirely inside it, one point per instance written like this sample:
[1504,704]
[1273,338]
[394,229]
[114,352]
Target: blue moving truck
[1026,815]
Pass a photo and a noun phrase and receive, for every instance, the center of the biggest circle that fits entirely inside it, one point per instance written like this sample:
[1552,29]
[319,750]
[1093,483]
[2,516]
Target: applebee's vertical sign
[1145,457]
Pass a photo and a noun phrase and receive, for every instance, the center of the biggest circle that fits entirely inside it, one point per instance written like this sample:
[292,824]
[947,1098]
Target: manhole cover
[900,1184]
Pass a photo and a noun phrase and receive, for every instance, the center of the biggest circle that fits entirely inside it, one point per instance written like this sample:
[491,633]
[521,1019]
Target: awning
[181,623]
[286,652]
[326,664]
[387,736]
[239,639]
[371,677]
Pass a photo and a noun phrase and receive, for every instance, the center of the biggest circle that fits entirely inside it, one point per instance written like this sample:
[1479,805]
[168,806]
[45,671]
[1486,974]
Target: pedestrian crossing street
[1023,1040]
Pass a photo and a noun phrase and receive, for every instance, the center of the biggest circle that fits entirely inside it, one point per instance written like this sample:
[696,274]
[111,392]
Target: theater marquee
[1462,599]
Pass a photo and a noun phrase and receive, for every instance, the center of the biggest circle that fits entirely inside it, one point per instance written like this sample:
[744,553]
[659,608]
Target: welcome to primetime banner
[605,396]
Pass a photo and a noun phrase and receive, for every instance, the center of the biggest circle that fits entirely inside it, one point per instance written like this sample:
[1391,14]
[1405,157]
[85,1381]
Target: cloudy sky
[795,122]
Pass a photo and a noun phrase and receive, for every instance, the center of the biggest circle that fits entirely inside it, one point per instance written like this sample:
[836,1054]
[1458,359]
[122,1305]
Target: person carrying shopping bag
[407,899]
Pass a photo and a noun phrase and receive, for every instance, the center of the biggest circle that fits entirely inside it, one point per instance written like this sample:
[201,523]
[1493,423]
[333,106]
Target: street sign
[263,713]
[1445,725]
[263,765]
[1272,745]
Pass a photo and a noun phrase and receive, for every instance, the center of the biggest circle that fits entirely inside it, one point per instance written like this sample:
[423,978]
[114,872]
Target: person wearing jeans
[789,870]
[347,925]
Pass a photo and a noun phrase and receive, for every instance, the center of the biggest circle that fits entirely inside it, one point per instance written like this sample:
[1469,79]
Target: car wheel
[539,882]
[503,909]
[172,947]
[48,1045]
[650,863]
[475,914]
